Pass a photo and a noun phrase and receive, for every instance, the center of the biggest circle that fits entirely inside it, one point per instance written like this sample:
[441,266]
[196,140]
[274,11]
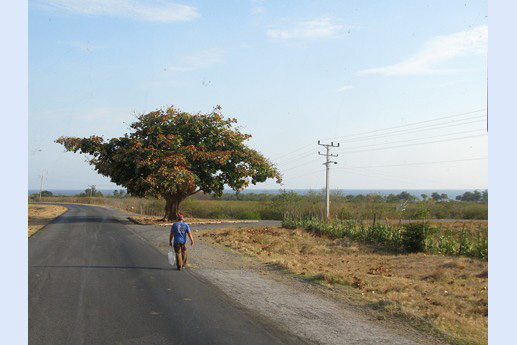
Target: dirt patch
[447,293]
[41,215]
[147,220]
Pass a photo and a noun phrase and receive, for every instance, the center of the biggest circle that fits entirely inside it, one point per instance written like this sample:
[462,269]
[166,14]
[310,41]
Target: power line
[408,140]
[409,124]
[420,163]
[295,167]
[289,153]
[416,144]
[303,175]
[393,133]
[303,155]
[391,165]
[420,129]
[395,142]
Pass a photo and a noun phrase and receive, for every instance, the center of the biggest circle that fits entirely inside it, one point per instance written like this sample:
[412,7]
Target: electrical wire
[420,163]
[409,124]
[416,144]
[420,129]
[400,132]
[365,147]
[408,140]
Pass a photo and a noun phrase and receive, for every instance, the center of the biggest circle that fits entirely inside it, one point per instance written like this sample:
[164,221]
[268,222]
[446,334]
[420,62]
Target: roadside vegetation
[41,215]
[437,238]
[445,294]
[360,208]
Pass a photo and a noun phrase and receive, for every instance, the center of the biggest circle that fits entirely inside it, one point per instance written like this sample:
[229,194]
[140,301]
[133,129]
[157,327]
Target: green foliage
[119,193]
[475,196]
[90,192]
[421,214]
[403,196]
[413,238]
[220,209]
[175,154]
[46,193]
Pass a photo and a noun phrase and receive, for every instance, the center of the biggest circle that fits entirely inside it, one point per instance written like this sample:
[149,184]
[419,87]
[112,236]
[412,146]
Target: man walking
[178,232]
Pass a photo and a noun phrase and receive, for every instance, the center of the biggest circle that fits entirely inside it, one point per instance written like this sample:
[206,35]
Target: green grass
[414,237]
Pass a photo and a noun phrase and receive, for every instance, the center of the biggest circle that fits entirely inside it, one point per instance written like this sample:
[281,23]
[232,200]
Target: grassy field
[301,207]
[447,293]
[41,215]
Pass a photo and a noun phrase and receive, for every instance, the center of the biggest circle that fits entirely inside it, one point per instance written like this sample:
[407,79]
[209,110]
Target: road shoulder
[310,310]
[42,215]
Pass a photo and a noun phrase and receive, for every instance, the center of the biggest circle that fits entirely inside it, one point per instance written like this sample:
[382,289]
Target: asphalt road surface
[92,281]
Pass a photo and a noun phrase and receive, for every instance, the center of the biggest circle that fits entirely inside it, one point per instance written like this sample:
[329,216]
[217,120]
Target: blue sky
[400,85]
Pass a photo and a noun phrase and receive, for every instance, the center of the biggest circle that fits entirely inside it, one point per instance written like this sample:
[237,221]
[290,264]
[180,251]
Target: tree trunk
[172,206]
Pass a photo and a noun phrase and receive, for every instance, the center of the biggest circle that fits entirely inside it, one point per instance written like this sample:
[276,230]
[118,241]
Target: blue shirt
[180,229]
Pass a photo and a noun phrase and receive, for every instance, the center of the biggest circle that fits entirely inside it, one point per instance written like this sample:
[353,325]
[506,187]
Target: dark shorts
[180,247]
[181,254]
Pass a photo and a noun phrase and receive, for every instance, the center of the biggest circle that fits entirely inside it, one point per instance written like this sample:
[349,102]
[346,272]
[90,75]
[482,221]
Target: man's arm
[170,238]
[190,237]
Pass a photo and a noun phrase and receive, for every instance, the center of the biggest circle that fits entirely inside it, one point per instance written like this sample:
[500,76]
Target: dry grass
[41,215]
[149,220]
[450,293]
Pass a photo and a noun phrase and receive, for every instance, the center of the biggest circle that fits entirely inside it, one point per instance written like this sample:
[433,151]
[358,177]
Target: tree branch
[195,192]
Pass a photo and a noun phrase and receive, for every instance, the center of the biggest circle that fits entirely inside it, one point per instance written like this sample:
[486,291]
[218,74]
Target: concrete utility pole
[327,163]
[91,190]
[42,177]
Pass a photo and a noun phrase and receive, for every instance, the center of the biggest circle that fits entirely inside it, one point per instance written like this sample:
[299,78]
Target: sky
[400,85]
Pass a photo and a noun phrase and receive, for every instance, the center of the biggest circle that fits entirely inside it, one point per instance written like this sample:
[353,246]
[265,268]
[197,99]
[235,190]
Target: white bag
[172,258]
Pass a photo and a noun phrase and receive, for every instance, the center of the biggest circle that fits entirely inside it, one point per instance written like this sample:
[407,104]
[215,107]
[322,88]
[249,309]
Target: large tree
[175,154]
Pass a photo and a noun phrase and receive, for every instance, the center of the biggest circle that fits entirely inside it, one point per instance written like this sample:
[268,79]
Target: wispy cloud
[436,52]
[199,60]
[153,11]
[322,27]
[345,88]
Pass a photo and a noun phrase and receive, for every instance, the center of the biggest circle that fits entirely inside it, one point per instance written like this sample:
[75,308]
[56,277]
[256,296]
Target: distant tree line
[475,196]
[291,196]
[92,191]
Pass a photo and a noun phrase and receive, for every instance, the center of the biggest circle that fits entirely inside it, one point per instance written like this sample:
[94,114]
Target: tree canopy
[175,154]
[92,191]
[475,196]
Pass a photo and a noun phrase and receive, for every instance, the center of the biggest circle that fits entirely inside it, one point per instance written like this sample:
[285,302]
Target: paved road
[92,281]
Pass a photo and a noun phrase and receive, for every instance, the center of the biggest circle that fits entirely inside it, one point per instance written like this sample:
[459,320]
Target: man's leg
[177,250]
[184,253]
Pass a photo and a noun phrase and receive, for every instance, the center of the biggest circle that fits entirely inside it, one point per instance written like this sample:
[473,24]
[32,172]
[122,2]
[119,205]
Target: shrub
[413,238]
